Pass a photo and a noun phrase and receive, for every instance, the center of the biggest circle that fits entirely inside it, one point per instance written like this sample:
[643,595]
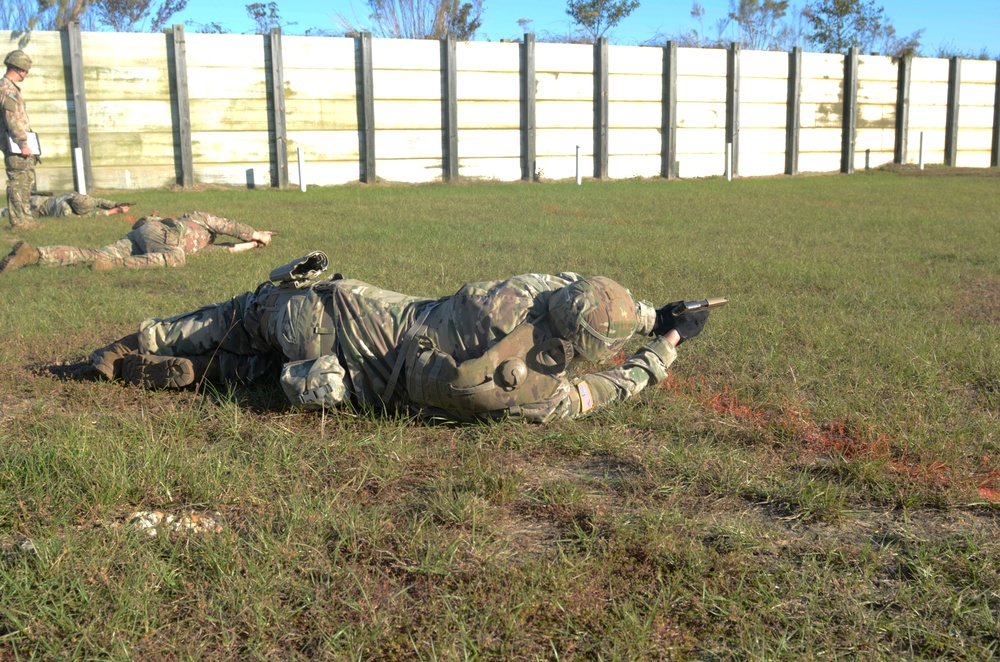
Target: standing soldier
[153,242]
[20,164]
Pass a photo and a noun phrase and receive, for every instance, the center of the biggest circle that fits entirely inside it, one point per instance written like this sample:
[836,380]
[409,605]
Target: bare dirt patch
[910,170]
[981,300]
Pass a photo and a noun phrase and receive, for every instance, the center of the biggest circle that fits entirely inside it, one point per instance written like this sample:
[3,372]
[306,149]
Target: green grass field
[819,478]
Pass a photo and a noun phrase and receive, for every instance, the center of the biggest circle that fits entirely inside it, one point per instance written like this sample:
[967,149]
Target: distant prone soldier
[71,204]
[153,242]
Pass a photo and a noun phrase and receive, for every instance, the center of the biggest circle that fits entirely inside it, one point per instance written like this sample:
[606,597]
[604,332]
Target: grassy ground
[819,477]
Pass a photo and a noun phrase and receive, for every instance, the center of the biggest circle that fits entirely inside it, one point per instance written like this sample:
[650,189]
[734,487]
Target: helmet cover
[596,314]
[19,60]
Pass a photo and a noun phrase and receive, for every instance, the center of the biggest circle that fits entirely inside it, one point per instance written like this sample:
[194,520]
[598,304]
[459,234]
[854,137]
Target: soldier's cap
[596,314]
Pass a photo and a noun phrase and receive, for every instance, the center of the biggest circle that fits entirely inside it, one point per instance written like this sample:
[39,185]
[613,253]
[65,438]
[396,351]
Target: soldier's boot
[21,254]
[150,371]
[107,361]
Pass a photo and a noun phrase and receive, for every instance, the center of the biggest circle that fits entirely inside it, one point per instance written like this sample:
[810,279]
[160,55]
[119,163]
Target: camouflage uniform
[344,340]
[152,243]
[20,169]
[67,204]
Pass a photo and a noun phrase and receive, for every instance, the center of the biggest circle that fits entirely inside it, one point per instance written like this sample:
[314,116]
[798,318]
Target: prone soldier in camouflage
[20,164]
[71,204]
[492,350]
[153,242]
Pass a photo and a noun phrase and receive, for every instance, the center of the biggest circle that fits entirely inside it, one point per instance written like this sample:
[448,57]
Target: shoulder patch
[586,399]
[9,103]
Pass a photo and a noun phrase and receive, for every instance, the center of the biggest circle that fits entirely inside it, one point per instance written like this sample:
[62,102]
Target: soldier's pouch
[525,367]
[300,272]
[174,231]
[20,163]
[316,383]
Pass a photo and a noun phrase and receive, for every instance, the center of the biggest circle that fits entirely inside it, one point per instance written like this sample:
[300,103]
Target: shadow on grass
[80,371]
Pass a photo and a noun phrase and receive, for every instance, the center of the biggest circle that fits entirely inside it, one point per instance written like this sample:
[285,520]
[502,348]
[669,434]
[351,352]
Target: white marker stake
[579,177]
[81,177]
[921,162]
[302,177]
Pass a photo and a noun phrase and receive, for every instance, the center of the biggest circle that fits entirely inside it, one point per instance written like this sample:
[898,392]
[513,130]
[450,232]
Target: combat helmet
[19,60]
[596,314]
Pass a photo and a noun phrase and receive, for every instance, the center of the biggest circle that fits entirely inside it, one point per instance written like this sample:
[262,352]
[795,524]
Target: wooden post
[449,110]
[366,108]
[733,105]
[601,108]
[850,124]
[951,121]
[902,110]
[528,156]
[793,114]
[668,121]
[80,100]
[183,106]
[278,99]
[995,152]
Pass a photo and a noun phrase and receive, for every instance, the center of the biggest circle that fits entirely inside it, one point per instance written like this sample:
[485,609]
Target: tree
[266,16]
[758,22]
[213,27]
[757,25]
[57,14]
[900,46]
[459,19]
[693,37]
[131,15]
[838,25]
[949,50]
[17,15]
[420,19]
[596,17]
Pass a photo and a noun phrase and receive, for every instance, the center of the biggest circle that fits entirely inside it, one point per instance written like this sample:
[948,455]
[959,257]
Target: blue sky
[968,25]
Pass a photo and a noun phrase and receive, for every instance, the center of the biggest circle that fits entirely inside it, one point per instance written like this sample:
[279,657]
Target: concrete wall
[136,118]
[763,108]
[976,112]
[928,109]
[876,133]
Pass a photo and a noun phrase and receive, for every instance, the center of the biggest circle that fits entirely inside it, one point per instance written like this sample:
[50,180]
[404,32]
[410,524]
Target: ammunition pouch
[525,367]
[301,272]
[299,322]
[314,384]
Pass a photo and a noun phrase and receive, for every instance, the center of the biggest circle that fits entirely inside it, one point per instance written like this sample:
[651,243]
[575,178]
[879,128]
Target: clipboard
[14,148]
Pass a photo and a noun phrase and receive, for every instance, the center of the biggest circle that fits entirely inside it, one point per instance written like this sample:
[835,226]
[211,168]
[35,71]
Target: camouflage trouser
[20,181]
[64,256]
[249,335]
[150,245]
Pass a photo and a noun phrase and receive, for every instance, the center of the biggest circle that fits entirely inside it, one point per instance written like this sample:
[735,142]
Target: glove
[687,326]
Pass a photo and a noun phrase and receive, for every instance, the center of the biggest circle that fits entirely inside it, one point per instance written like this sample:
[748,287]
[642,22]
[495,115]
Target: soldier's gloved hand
[687,326]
